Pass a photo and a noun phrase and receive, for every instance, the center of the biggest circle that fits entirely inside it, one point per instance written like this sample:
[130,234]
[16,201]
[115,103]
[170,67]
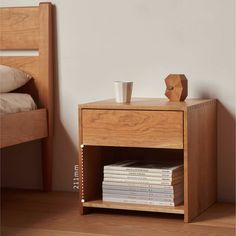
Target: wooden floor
[33,213]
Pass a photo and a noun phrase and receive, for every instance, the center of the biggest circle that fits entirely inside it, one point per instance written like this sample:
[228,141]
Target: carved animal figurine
[176,87]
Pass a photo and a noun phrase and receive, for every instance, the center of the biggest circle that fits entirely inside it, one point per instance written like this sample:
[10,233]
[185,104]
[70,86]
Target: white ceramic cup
[123,91]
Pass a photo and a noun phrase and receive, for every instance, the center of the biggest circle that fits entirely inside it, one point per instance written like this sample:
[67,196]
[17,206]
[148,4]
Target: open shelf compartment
[93,159]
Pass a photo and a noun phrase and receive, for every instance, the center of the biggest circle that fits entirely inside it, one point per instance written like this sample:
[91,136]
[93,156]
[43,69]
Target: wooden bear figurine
[176,87]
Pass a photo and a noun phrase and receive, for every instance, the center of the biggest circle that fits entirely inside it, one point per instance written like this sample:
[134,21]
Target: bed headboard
[30,28]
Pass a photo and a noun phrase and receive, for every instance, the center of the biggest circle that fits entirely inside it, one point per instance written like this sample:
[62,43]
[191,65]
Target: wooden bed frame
[30,28]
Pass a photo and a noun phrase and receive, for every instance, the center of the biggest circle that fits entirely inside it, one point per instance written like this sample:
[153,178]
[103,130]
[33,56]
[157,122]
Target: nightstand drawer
[132,128]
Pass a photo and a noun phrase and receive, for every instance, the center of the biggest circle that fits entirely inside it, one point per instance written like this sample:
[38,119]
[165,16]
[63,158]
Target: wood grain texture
[34,213]
[92,174]
[200,159]
[133,128]
[135,207]
[111,126]
[45,87]
[32,28]
[145,104]
[28,64]
[45,81]
[19,28]
[176,87]
[23,127]
[11,231]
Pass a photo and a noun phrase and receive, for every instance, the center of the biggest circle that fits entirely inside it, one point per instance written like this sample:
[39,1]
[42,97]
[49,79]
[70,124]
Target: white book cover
[146,202]
[141,166]
[142,177]
[144,197]
[139,189]
[143,181]
[167,174]
[141,185]
[143,193]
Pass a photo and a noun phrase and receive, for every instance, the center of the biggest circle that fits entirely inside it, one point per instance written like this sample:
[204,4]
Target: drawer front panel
[162,129]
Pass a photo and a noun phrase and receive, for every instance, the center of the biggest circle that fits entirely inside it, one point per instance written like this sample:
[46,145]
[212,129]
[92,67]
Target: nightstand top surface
[147,104]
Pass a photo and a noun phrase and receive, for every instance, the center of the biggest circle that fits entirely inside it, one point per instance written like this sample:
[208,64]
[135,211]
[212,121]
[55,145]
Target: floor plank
[220,215]
[12,231]
[33,213]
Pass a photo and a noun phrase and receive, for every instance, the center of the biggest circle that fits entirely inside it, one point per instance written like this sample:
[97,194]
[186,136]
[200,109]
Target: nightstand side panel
[200,158]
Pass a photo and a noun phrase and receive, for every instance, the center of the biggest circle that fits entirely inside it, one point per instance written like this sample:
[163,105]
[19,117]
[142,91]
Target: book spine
[139,189]
[142,170]
[141,181]
[135,201]
[142,193]
[142,177]
[147,174]
[147,198]
[140,185]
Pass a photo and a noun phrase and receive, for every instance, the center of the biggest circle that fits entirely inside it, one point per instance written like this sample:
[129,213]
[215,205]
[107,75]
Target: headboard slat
[19,28]
[29,64]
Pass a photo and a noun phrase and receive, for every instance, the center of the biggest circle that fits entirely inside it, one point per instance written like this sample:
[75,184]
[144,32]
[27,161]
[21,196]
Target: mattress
[16,102]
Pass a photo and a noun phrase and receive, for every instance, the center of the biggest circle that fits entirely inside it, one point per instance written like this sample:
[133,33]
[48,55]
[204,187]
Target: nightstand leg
[85,210]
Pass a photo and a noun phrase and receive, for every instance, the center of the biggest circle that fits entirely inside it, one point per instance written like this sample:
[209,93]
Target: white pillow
[12,78]
[16,102]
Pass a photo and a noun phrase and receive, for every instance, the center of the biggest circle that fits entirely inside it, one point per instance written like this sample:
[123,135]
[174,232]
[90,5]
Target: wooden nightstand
[148,129]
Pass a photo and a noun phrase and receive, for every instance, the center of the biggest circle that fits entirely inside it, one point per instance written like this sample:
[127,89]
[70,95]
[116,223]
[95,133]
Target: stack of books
[156,183]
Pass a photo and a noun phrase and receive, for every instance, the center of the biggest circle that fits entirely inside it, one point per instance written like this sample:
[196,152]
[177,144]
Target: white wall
[106,40]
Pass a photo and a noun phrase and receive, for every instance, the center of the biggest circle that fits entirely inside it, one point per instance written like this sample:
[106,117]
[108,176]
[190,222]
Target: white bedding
[16,102]
[12,78]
